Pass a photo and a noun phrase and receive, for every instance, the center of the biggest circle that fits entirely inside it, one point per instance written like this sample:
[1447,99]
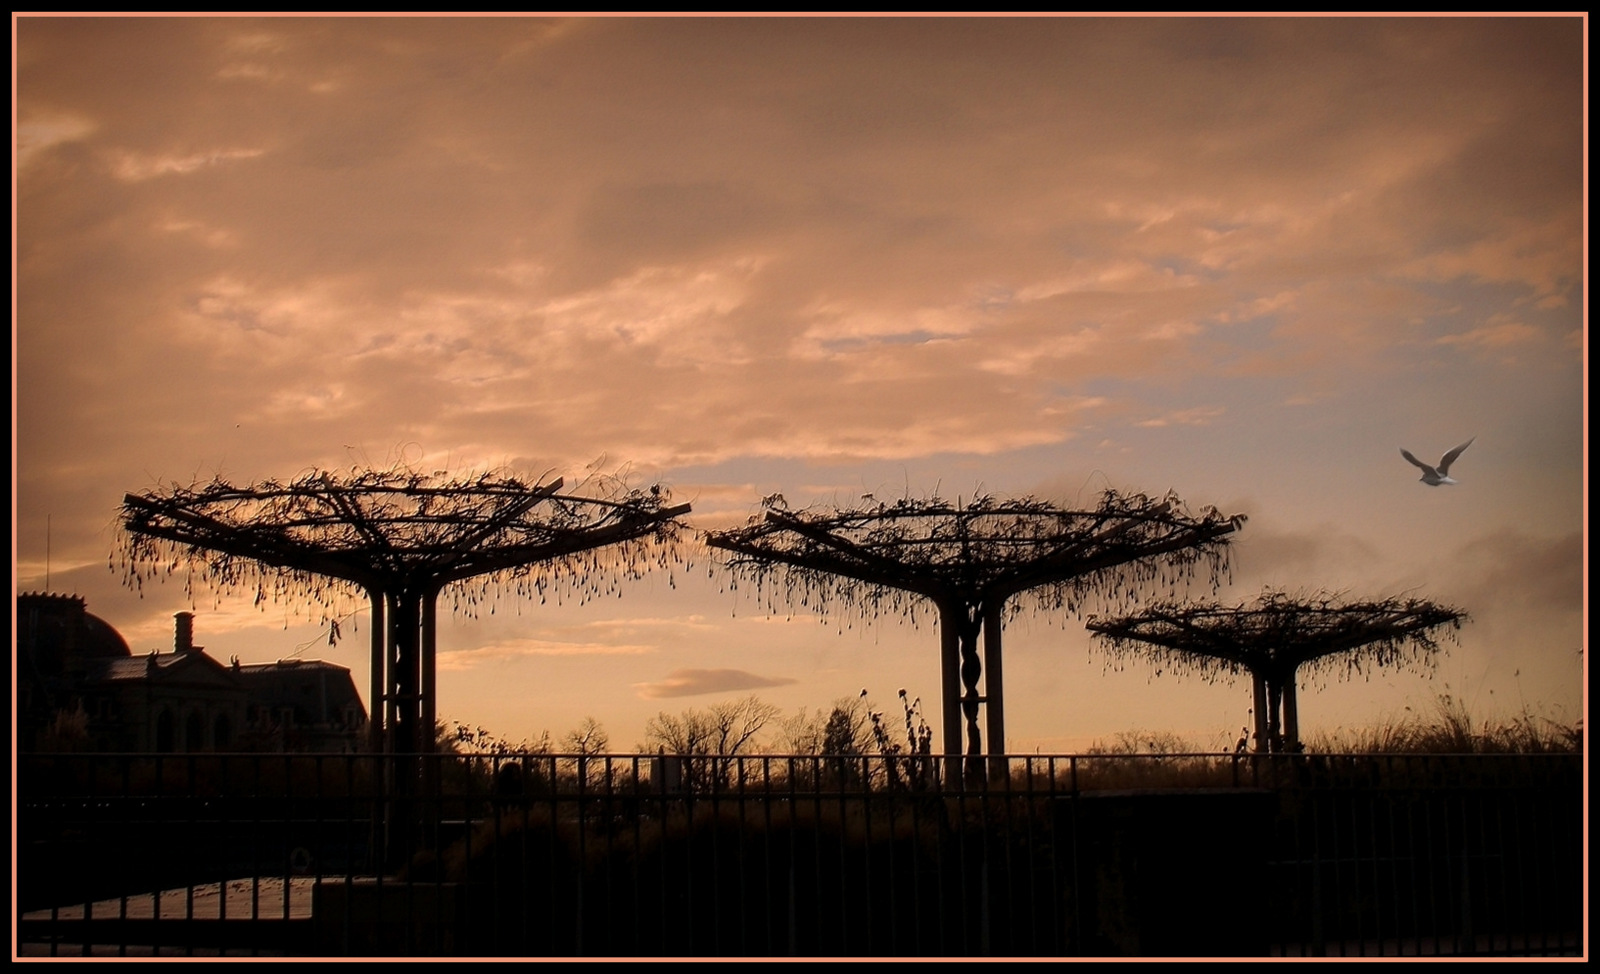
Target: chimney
[183,639]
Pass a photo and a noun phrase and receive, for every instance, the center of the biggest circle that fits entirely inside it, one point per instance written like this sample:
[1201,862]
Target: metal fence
[530,855]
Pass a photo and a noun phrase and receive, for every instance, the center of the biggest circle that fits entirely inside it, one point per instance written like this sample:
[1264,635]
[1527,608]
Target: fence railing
[639,855]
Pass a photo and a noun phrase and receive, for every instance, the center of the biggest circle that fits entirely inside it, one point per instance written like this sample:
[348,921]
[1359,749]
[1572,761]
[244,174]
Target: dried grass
[1451,728]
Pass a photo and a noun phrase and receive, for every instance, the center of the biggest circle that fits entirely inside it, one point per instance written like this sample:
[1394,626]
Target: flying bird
[1435,476]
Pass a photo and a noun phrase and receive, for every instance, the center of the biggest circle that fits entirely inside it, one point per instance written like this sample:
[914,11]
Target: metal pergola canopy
[402,536]
[1275,639]
[973,561]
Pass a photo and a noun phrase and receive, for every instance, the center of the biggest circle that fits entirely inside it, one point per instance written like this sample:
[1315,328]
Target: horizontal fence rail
[529,855]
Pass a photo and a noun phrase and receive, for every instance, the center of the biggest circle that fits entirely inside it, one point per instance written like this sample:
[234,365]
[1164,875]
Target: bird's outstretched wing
[1407,454]
[1449,458]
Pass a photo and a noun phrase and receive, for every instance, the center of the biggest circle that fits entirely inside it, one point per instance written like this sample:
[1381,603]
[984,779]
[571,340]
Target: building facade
[81,688]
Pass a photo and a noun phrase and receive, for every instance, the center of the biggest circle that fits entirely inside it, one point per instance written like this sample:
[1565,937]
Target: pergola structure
[1277,637]
[972,561]
[402,537]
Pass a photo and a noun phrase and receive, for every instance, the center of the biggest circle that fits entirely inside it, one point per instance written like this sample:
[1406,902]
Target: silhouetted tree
[710,740]
[589,737]
[584,741]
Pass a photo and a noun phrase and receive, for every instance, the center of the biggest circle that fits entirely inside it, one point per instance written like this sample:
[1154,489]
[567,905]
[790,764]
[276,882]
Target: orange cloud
[513,649]
[1198,416]
[691,683]
[136,167]
[1494,336]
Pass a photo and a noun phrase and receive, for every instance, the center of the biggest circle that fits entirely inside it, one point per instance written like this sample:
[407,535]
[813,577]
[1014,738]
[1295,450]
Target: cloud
[805,252]
[1293,559]
[689,683]
[1198,416]
[674,622]
[1543,257]
[795,620]
[677,307]
[136,167]
[514,649]
[1509,570]
[1494,336]
[1123,276]
[1021,358]
[836,331]
[209,236]
[496,270]
[37,135]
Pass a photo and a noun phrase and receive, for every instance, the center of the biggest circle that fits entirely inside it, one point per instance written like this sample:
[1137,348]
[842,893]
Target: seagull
[1435,476]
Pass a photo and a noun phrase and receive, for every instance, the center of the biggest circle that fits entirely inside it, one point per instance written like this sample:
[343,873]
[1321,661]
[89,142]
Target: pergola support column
[1258,689]
[375,708]
[993,689]
[971,670]
[950,674]
[430,671]
[1291,716]
[405,628]
[1275,715]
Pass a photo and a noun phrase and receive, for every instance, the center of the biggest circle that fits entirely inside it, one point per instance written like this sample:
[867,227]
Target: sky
[1243,259]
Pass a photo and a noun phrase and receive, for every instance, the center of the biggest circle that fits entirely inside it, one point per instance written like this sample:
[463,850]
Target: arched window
[165,731]
[221,732]
[194,732]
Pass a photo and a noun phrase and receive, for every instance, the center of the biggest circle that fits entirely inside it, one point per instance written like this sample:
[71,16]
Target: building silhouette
[80,687]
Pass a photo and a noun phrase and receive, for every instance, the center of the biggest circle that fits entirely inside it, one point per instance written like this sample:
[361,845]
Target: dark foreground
[540,855]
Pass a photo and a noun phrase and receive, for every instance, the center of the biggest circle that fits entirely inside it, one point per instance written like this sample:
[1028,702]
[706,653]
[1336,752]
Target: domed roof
[56,627]
[102,639]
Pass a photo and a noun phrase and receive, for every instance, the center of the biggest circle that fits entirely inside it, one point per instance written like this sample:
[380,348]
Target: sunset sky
[1244,259]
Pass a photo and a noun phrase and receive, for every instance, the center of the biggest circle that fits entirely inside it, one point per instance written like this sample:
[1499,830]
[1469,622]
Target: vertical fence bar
[1524,807]
[1319,941]
[1513,912]
[123,803]
[1394,798]
[1493,864]
[791,912]
[1077,870]
[1417,844]
[1375,844]
[1541,876]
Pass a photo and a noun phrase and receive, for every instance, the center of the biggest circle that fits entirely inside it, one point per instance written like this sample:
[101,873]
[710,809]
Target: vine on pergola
[978,563]
[1277,638]
[403,537]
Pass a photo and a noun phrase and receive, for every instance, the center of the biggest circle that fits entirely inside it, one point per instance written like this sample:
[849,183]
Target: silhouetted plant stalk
[908,766]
